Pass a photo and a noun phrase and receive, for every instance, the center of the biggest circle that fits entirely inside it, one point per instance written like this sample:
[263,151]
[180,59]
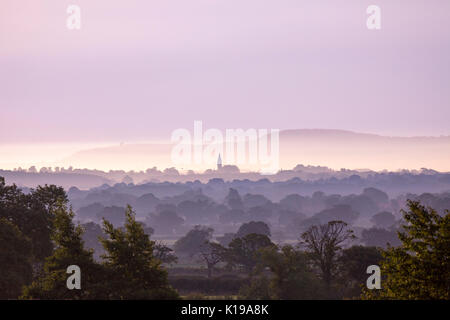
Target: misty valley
[222,239]
[224,159]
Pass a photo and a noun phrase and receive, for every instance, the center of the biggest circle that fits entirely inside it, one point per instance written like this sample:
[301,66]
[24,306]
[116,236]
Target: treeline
[372,214]
[319,267]
[39,240]
[302,179]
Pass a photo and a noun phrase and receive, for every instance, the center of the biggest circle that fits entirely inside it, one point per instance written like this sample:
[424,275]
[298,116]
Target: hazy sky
[139,69]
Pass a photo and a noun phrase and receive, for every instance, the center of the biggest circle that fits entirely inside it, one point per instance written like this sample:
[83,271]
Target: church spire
[219,162]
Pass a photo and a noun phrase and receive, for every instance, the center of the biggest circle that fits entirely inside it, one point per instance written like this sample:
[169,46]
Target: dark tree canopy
[376,195]
[32,213]
[15,262]
[245,252]
[340,212]
[165,221]
[420,267]
[164,254]
[353,263]
[258,227]
[234,200]
[91,238]
[212,253]
[114,214]
[293,278]
[383,219]
[191,244]
[133,270]
[69,250]
[232,216]
[379,237]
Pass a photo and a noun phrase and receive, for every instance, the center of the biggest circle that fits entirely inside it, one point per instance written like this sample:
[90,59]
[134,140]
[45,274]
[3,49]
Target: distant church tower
[219,162]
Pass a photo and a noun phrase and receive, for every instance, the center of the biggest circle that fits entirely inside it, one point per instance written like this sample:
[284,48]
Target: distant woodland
[238,239]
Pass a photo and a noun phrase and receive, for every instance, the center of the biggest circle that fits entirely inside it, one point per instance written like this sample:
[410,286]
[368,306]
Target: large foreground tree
[33,214]
[69,250]
[15,260]
[133,272]
[420,267]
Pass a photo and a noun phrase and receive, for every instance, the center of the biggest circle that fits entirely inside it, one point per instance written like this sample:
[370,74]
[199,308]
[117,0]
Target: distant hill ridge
[332,148]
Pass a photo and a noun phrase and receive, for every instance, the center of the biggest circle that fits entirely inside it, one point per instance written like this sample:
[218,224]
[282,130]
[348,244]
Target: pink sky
[139,69]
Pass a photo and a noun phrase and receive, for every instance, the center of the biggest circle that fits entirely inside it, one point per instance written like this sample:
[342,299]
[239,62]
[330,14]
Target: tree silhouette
[323,243]
[212,253]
